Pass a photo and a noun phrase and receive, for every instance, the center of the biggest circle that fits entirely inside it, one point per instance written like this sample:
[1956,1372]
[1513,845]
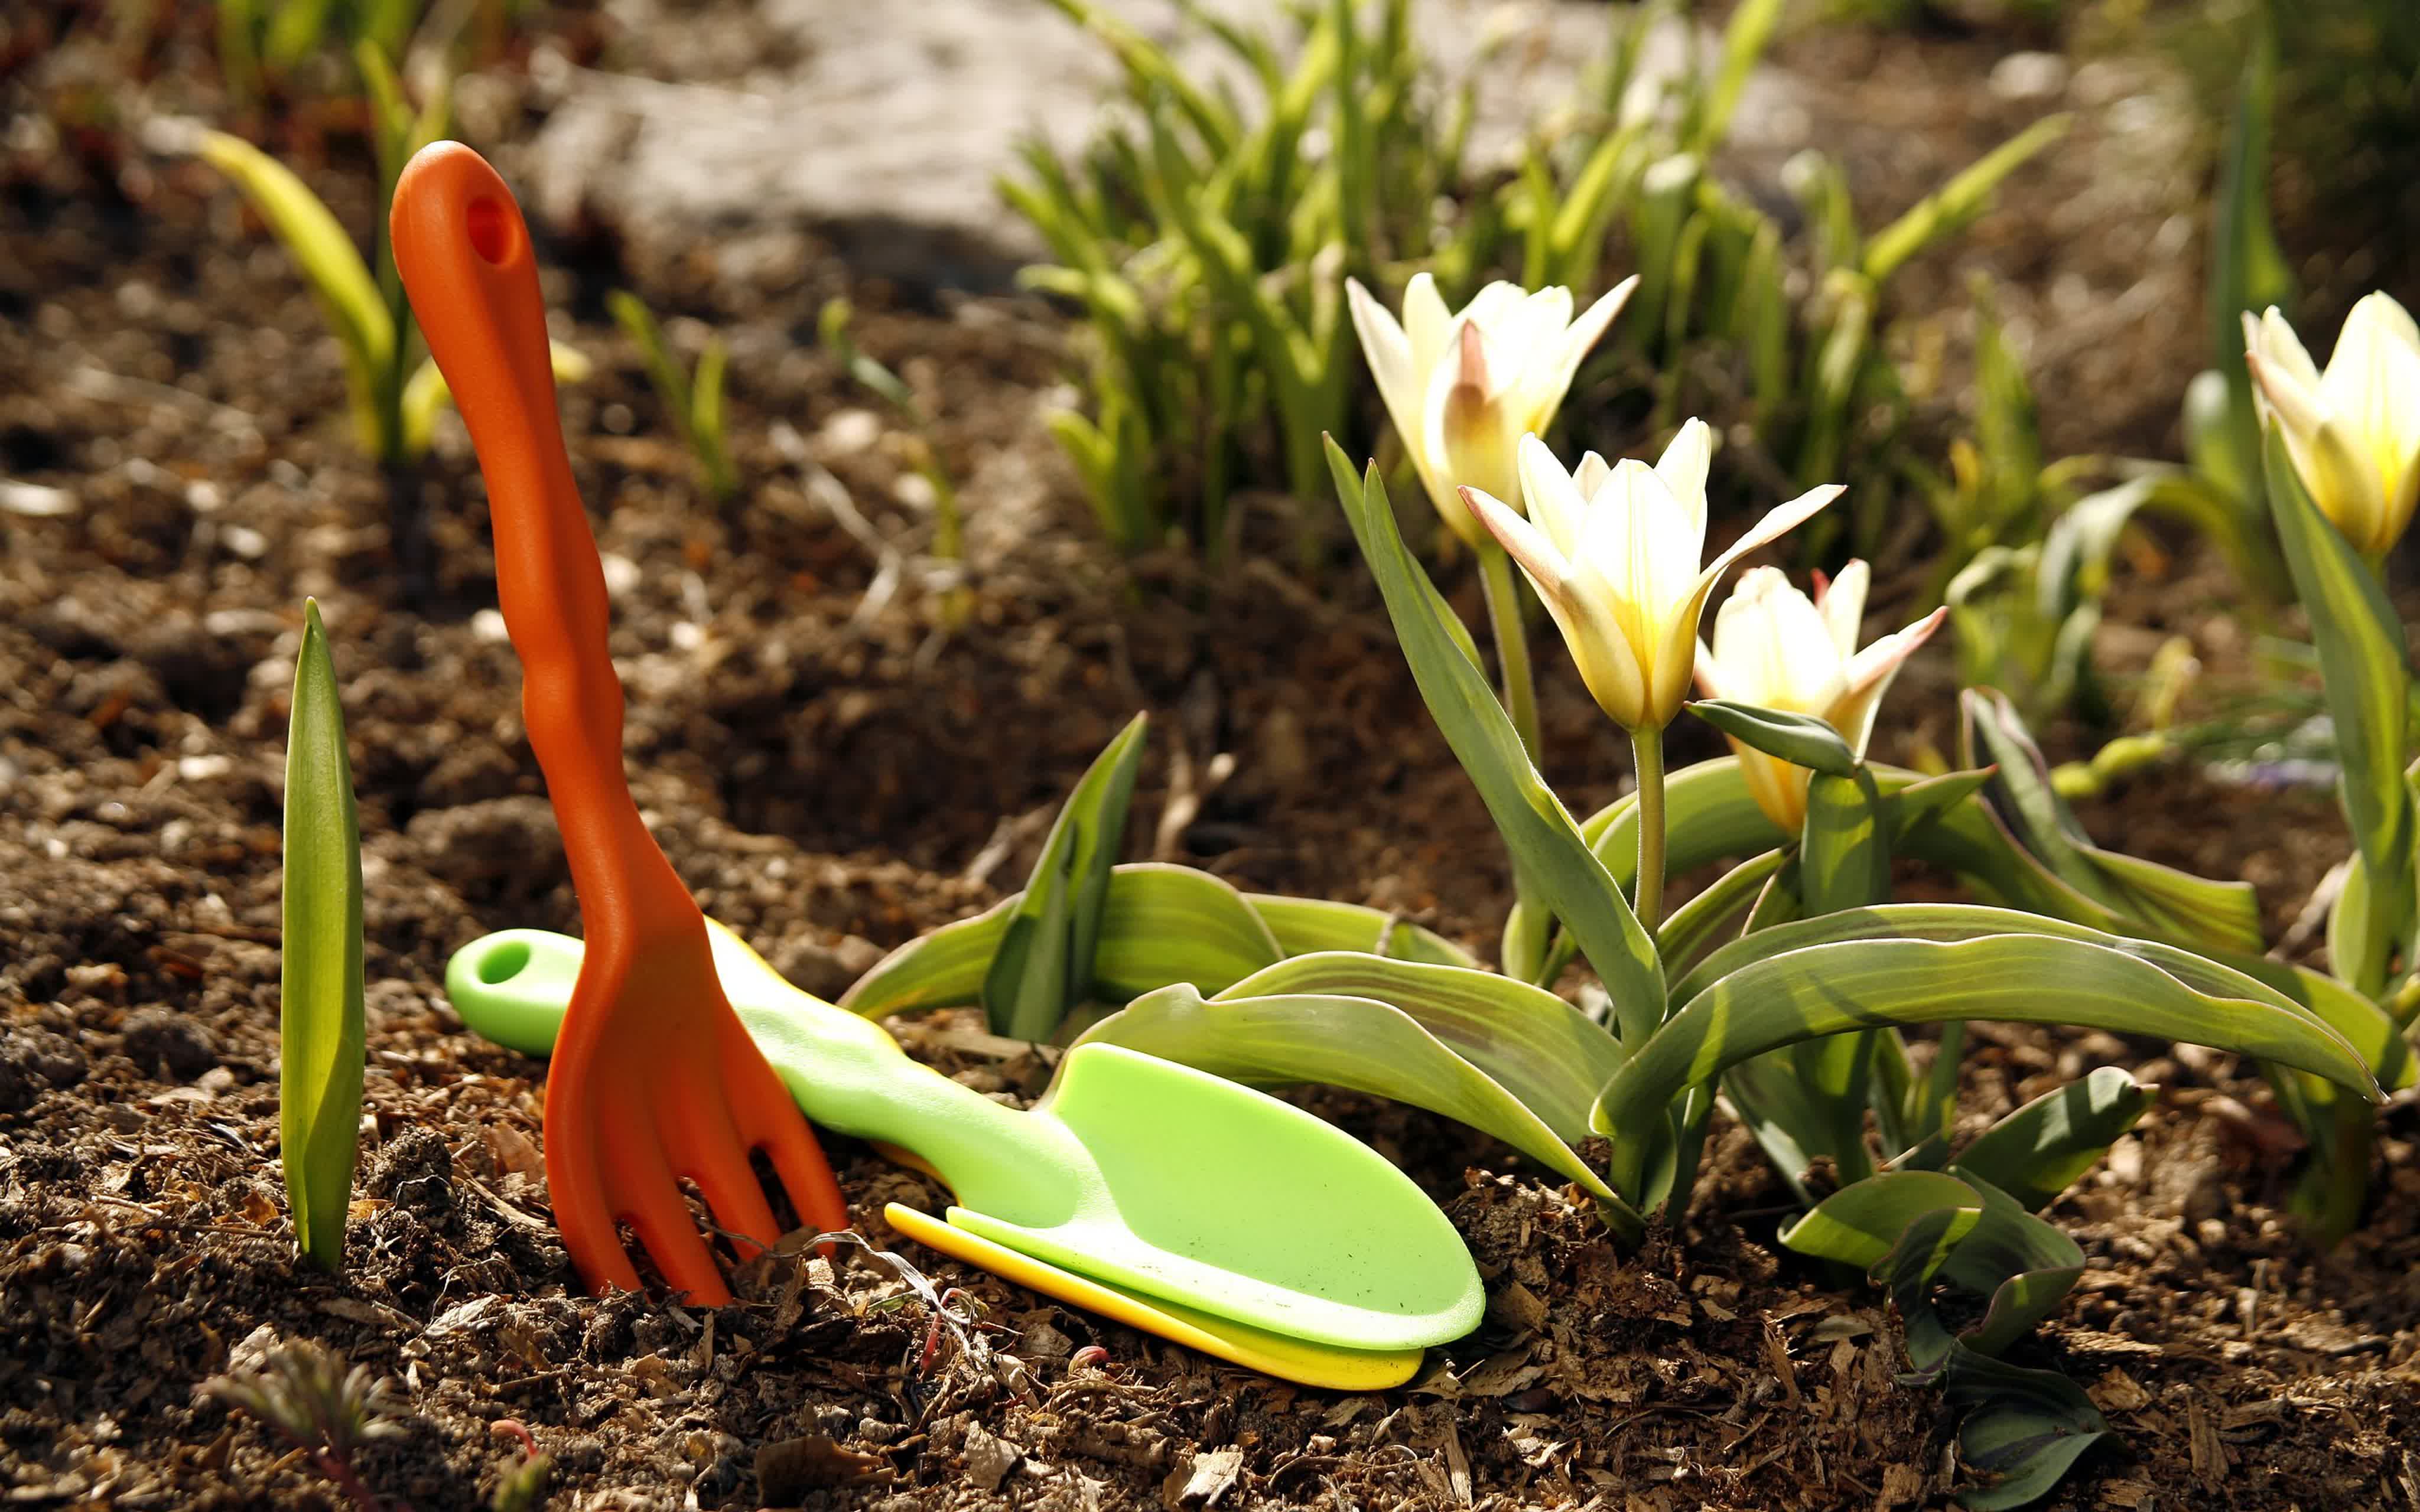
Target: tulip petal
[1843,604]
[1671,671]
[1553,499]
[1712,681]
[1426,324]
[1548,377]
[1591,475]
[1387,351]
[1775,647]
[1869,676]
[2348,490]
[2372,385]
[2273,339]
[1547,569]
[1684,467]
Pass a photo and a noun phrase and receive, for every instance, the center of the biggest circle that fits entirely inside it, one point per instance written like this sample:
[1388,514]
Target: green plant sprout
[394,400]
[949,529]
[319,1016]
[695,406]
[303,1393]
[1206,256]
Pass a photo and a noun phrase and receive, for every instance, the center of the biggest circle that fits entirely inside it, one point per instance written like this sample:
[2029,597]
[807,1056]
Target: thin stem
[1647,755]
[1512,642]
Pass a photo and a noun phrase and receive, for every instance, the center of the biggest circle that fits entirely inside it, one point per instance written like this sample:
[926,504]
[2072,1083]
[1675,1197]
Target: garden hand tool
[1169,1186]
[655,1079]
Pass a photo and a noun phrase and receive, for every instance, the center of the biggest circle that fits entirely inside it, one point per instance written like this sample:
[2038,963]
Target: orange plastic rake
[654,1079]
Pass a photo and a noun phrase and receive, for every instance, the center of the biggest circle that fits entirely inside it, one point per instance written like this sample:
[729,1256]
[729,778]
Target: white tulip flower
[1463,388]
[1614,552]
[2353,431]
[1775,647]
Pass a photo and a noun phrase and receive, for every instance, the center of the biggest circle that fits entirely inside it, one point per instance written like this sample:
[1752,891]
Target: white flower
[1463,388]
[1776,648]
[2354,430]
[1614,552]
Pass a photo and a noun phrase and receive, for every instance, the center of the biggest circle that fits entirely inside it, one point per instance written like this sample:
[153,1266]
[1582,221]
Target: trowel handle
[847,1075]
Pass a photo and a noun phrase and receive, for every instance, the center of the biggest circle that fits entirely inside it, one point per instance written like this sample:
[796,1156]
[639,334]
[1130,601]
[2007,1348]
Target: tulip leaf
[1711,815]
[1163,924]
[1542,1050]
[2025,1266]
[1043,966]
[2039,1151]
[1303,925]
[1862,1223]
[319,1016]
[2368,680]
[1159,924]
[1338,1039]
[2124,986]
[2173,905]
[1538,831]
[2025,1427]
[1844,852]
[1692,927]
[1800,739]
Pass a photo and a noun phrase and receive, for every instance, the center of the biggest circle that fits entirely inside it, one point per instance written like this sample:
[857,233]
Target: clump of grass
[1206,238]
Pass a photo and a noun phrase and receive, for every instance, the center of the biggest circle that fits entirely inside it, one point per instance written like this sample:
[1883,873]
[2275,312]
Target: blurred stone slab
[887,125]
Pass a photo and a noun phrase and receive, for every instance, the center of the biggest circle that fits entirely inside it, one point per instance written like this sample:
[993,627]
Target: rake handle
[463,251]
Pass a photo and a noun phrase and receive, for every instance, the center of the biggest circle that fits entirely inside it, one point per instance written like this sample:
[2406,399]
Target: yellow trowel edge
[1272,1355]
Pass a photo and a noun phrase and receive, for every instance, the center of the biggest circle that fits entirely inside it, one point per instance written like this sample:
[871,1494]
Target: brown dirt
[832,783]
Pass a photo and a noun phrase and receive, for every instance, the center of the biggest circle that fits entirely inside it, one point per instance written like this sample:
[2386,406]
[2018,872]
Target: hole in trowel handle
[491,230]
[503,962]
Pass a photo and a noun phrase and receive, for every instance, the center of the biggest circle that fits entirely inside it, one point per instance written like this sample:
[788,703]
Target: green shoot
[394,401]
[303,1393]
[948,531]
[319,1000]
[695,407]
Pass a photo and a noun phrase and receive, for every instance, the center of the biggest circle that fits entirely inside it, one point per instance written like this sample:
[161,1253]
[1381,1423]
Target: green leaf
[705,420]
[1711,817]
[2024,1265]
[1800,739]
[2031,978]
[320,1033]
[2173,905]
[1805,1102]
[2247,271]
[1045,966]
[1545,1052]
[1303,925]
[1956,204]
[2367,681]
[1537,831]
[1159,924]
[425,394]
[1862,1223]
[347,295]
[1744,40]
[1338,1039]
[1844,852]
[1694,925]
[2027,1427]
[2038,1151]
[1162,924]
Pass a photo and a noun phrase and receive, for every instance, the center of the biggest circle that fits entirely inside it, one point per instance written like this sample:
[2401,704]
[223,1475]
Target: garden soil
[836,764]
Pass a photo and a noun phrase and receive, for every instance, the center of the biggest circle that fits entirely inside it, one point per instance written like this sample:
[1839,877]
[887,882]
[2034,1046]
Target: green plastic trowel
[1266,1235]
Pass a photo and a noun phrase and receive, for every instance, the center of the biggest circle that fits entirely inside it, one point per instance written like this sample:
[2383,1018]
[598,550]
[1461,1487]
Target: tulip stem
[1512,642]
[1647,755]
